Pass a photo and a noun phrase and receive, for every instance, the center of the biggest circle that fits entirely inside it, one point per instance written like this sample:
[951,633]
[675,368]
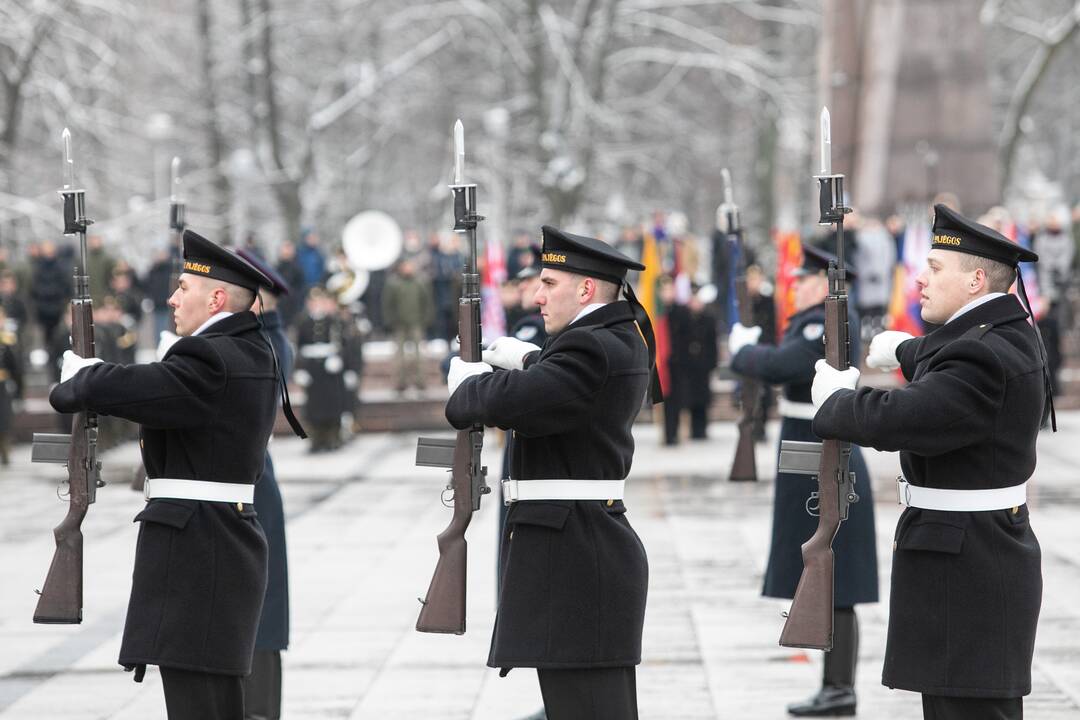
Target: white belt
[199,490]
[797,410]
[960,500]
[515,490]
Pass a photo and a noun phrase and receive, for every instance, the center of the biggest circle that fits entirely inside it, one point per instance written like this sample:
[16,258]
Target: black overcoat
[966,586]
[206,413]
[574,573]
[273,632]
[319,341]
[791,364]
[693,356]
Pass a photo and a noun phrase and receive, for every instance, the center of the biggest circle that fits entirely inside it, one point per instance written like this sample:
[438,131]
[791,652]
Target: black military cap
[584,255]
[952,231]
[533,268]
[202,257]
[815,260]
[278,285]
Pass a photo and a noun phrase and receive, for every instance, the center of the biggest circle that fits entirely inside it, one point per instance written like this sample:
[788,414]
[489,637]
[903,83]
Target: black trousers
[589,693]
[937,707]
[202,696]
[262,688]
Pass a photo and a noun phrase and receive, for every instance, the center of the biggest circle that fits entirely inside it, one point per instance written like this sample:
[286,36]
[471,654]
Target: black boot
[837,695]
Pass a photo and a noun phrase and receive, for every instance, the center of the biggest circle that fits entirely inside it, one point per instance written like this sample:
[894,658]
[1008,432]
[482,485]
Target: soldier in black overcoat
[575,574]
[966,578]
[262,689]
[791,364]
[206,412]
[694,355]
[321,369]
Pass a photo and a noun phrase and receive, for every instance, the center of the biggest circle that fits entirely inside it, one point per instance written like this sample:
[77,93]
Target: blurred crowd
[333,309]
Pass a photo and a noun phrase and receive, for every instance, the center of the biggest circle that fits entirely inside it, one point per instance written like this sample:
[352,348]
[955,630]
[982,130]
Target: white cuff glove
[460,370]
[301,377]
[73,364]
[741,336]
[166,340]
[508,353]
[883,348]
[828,380]
[334,364]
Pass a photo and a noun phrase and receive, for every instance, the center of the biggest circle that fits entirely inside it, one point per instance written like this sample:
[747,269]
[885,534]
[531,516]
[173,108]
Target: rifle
[60,600]
[443,608]
[809,623]
[744,465]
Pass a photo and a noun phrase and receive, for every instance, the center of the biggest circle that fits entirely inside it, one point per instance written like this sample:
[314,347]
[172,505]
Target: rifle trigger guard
[442,496]
[813,505]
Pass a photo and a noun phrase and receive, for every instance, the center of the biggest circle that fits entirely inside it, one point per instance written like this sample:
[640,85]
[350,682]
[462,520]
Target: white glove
[334,364]
[460,370]
[165,341]
[828,380]
[508,353]
[883,348]
[73,364]
[350,378]
[741,336]
[301,377]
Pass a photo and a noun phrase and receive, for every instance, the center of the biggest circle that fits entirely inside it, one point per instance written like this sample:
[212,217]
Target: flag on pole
[492,278]
[788,257]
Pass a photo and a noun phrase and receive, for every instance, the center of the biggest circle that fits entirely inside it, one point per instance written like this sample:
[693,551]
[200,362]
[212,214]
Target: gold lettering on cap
[553,258]
[946,240]
[196,267]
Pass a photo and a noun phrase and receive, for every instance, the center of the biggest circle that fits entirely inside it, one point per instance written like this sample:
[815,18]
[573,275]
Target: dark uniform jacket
[574,573]
[273,632]
[693,356]
[206,413]
[320,343]
[791,364]
[966,586]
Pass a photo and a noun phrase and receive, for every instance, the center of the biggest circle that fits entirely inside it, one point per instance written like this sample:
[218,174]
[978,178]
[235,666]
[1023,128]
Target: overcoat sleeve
[550,396]
[175,393]
[790,362]
[955,404]
[906,353]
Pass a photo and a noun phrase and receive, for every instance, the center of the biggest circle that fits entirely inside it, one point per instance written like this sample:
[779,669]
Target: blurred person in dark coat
[791,364]
[407,310]
[694,356]
[1054,246]
[320,369]
[50,290]
[288,267]
[13,306]
[160,279]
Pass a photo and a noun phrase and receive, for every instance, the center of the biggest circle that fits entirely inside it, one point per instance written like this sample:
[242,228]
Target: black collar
[998,311]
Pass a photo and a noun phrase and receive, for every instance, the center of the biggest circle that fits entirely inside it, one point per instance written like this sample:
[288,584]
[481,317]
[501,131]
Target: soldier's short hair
[999,276]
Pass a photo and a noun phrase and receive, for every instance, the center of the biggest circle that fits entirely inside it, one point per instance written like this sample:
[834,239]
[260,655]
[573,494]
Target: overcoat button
[240,507]
[894,546]
[1016,510]
[610,503]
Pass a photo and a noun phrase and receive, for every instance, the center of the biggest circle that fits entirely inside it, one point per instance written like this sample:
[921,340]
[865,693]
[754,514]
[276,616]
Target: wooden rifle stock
[744,466]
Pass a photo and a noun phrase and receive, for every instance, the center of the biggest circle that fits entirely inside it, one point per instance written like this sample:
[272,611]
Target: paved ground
[361,533]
